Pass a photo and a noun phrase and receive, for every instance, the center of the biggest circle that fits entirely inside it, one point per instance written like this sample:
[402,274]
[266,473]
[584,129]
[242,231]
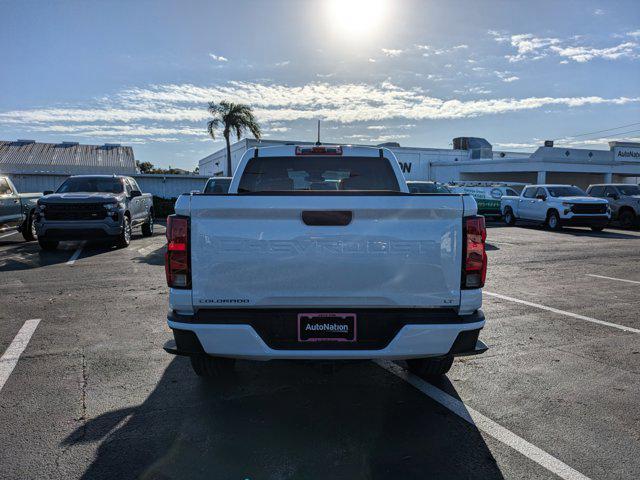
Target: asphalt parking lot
[93,395]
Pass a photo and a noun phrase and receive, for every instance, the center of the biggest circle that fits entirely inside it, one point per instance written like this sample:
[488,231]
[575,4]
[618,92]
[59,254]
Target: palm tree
[236,117]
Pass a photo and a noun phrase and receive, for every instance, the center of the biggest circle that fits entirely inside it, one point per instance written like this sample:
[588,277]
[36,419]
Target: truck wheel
[211,367]
[627,218]
[430,368]
[47,244]
[29,228]
[147,227]
[124,239]
[509,217]
[553,220]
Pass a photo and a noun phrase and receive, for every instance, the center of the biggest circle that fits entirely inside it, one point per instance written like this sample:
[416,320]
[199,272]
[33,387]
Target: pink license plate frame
[328,316]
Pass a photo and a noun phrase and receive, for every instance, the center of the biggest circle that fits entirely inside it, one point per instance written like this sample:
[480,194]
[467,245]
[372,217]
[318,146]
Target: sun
[356,18]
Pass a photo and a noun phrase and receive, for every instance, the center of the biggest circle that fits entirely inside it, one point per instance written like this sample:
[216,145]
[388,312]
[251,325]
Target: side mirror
[541,197]
[135,193]
[47,192]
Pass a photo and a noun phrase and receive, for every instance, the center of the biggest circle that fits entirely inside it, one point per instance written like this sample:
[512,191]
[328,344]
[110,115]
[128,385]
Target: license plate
[327,327]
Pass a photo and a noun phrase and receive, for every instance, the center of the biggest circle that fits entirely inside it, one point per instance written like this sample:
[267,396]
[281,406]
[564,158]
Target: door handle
[16,201]
[326,218]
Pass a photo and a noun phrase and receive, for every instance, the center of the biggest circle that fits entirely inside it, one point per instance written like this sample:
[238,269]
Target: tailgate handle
[326,218]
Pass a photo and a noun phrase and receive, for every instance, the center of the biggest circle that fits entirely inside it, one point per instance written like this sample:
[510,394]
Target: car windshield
[218,185]
[91,184]
[566,192]
[629,189]
[419,187]
[317,174]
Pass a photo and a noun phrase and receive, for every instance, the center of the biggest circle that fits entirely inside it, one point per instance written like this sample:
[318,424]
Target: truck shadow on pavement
[285,420]
[29,255]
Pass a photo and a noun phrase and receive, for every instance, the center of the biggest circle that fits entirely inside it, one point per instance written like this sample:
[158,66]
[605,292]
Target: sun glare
[356,18]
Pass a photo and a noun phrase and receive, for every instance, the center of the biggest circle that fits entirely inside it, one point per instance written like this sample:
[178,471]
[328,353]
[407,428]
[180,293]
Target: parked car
[427,187]
[624,201]
[94,207]
[556,206]
[321,253]
[217,185]
[17,209]
[487,196]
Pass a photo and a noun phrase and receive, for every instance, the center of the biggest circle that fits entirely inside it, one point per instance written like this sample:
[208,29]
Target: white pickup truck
[321,253]
[556,206]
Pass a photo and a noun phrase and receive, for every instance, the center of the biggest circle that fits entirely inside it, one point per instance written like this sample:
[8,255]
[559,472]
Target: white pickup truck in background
[556,206]
[321,253]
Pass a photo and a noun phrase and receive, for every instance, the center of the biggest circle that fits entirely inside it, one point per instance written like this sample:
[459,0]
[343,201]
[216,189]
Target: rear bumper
[237,340]
[586,221]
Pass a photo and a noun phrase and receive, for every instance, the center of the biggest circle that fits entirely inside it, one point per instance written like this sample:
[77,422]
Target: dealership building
[473,159]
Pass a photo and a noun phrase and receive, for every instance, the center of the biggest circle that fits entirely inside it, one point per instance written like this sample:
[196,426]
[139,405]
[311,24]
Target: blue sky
[417,72]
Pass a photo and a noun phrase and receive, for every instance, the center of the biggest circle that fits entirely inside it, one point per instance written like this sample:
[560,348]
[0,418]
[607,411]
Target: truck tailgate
[256,250]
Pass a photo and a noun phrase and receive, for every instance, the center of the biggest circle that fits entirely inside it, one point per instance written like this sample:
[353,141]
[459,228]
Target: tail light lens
[177,264]
[474,268]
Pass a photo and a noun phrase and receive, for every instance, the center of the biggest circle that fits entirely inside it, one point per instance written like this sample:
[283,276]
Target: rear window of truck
[318,173]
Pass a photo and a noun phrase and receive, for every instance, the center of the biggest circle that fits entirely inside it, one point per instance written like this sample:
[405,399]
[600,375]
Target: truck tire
[147,227]
[627,218]
[430,368]
[47,244]
[124,239]
[553,220]
[29,228]
[509,217]
[211,367]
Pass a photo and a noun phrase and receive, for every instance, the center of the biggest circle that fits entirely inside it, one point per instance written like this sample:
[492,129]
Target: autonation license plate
[327,327]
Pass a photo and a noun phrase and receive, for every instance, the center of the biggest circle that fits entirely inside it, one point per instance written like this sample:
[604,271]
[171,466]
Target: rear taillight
[474,266]
[177,264]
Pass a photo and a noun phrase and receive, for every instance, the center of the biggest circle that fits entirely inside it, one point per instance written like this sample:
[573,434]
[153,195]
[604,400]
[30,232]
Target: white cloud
[506,76]
[376,127]
[392,52]
[179,110]
[283,63]
[635,34]
[531,47]
[460,47]
[599,11]
[218,58]
[516,145]
[582,54]
[423,47]
[372,60]
[499,37]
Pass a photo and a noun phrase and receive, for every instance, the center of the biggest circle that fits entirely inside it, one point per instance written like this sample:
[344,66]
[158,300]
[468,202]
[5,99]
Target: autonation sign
[626,154]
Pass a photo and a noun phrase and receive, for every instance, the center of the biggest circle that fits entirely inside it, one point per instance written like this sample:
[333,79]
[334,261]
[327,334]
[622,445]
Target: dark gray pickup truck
[93,207]
[17,209]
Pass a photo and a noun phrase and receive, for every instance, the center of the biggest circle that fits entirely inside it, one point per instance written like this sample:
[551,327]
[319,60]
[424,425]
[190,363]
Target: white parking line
[485,424]
[613,278]
[10,358]
[563,312]
[75,255]
[8,234]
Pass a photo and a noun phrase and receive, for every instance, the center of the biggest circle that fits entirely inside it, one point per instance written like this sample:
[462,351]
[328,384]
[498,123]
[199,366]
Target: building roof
[27,156]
